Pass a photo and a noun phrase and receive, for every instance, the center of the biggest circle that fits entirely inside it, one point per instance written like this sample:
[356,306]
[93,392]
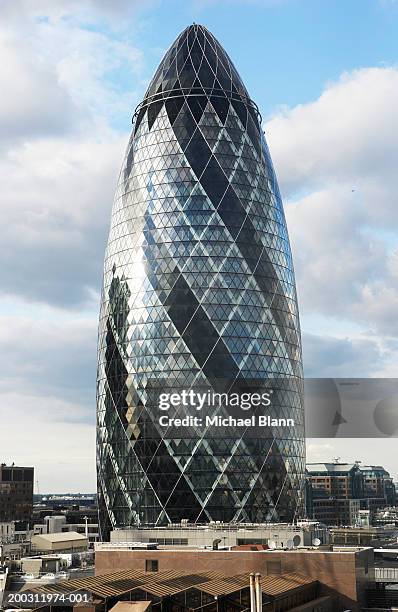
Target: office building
[16,493]
[341,480]
[198,292]
[378,483]
[338,492]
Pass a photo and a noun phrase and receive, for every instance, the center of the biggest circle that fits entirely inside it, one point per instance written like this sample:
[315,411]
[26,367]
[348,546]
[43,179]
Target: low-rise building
[345,573]
[42,564]
[7,531]
[59,542]
[386,516]
[363,536]
[61,523]
[279,535]
[378,483]
[201,591]
[332,511]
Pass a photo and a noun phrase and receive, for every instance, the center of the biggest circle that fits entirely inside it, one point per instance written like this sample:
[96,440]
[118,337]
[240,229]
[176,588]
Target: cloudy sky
[325,76]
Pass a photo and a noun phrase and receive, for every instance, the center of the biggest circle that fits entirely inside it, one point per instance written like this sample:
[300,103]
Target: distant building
[42,564]
[60,524]
[378,483]
[66,499]
[337,492]
[387,516]
[59,542]
[332,511]
[340,480]
[73,512]
[363,536]
[7,531]
[364,518]
[16,493]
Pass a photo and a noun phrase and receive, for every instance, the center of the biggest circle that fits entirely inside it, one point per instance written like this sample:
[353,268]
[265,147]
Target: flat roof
[236,550]
[217,526]
[330,467]
[64,536]
[131,606]
[16,467]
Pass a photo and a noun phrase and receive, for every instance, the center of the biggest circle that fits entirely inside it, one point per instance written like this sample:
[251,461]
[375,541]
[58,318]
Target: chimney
[252,593]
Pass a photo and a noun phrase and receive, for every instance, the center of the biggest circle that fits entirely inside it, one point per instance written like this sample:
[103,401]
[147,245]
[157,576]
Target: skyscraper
[198,288]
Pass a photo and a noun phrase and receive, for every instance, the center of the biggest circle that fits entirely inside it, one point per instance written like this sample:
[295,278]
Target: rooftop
[303,524]
[183,550]
[171,582]
[66,536]
[330,467]
[131,606]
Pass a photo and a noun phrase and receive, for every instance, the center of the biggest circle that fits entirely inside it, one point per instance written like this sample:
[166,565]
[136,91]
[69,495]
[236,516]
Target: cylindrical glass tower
[198,288]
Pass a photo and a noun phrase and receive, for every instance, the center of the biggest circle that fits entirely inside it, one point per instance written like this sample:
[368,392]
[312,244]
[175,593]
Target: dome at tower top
[195,68]
[196,60]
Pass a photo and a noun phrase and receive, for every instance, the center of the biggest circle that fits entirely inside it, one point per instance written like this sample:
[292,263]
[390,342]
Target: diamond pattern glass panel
[198,285]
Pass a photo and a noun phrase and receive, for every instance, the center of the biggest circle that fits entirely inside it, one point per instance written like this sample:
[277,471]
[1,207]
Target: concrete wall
[34,566]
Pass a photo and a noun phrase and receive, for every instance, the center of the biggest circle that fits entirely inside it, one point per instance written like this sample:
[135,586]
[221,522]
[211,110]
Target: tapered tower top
[196,59]
[195,65]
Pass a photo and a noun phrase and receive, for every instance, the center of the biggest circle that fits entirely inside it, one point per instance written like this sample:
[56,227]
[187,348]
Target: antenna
[272,545]
[37,488]
[290,544]
[316,542]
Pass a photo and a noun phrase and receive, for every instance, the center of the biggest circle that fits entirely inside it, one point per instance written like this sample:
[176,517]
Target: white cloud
[326,356]
[344,137]
[34,101]
[68,94]
[49,354]
[62,452]
[57,197]
[116,12]
[370,452]
[58,169]
[336,159]
[47,395]
[60,153]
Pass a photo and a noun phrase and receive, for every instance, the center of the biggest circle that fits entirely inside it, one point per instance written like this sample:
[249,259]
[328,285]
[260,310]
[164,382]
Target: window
[273,567]
[242,541]
[151,565]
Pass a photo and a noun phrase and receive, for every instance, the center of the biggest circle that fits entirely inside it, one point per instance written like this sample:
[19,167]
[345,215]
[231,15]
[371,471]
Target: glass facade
[198,287]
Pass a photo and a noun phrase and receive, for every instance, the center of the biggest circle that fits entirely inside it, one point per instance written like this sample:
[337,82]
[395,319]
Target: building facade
[338,480]
[339,491]
[16,493]
[347,574]
[198,291]
[378,483]
[332,511]
[302,533]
